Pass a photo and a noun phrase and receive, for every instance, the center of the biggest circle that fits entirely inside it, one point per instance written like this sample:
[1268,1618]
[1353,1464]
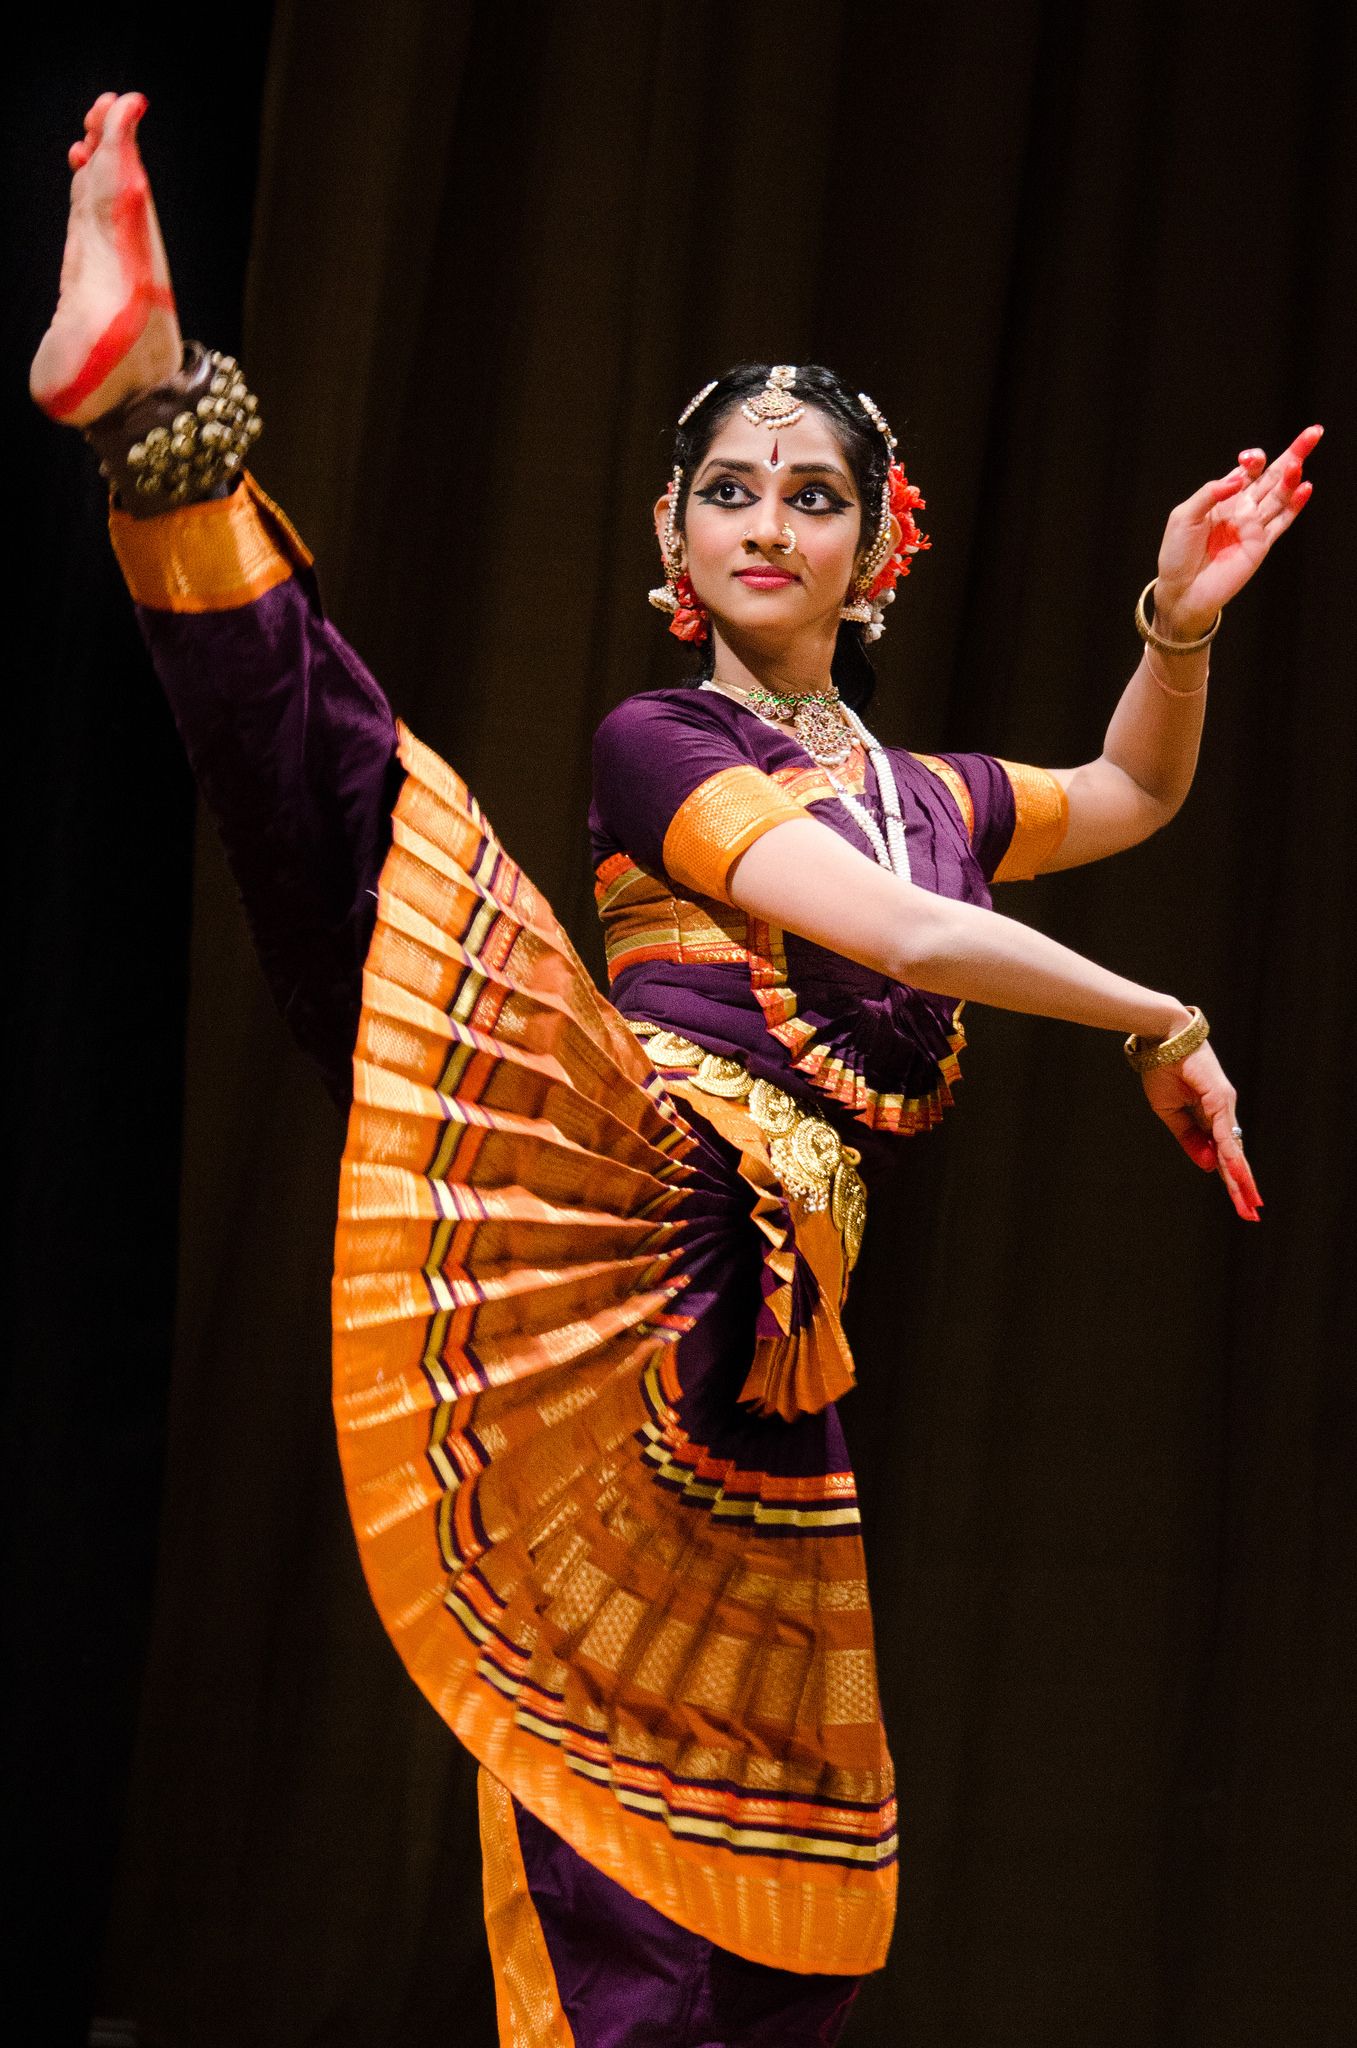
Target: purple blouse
[672,765]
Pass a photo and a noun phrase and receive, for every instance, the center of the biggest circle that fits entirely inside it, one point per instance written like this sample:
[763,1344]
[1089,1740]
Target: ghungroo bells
[180,442]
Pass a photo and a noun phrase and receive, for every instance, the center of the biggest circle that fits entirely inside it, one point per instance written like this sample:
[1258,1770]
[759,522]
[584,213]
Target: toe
[122,122]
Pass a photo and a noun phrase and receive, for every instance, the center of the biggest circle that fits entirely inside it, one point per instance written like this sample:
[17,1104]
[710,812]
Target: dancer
[591,1254]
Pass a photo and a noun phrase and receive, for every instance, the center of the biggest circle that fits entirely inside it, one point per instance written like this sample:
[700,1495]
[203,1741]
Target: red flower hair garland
[905,501]
[690,615]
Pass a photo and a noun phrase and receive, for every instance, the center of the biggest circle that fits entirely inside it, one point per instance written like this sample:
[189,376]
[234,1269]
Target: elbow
[1161,808]
[1144,811]
[923,942]
[1133,806]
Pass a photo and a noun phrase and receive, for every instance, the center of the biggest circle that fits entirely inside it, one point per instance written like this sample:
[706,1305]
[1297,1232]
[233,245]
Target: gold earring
[665,598]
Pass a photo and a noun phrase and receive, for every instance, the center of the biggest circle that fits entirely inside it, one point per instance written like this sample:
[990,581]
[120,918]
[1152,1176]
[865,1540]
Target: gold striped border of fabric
[883,1111]
[214,557]
[954,782]
[527,2000]
[1041,817]
[755,1823]
[812,785]
[718,822]
[788,1910]
[729,1493]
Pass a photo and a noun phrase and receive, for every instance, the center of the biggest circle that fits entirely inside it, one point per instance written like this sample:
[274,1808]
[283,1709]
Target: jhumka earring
[676,594]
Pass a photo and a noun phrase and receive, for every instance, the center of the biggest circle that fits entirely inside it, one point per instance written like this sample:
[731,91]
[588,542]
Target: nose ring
[788,546]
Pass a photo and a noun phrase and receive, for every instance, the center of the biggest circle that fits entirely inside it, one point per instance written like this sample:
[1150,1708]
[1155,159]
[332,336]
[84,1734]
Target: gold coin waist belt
[817,1170]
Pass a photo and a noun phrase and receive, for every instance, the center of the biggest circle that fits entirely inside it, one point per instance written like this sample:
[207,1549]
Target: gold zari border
[720,821]
[214,557]
[1041,819]
[527,2001]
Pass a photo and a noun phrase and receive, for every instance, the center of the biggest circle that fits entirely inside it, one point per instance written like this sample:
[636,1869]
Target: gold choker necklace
[813,716]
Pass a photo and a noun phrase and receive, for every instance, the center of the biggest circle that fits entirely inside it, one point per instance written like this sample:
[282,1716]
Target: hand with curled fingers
[1217,538]
[1195,1099]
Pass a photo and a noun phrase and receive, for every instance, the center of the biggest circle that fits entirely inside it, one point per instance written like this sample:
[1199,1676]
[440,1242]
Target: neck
[802,668]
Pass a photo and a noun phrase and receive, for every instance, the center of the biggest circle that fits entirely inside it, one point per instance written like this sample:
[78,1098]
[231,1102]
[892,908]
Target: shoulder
[685,759]
[1015,815]
[651,715]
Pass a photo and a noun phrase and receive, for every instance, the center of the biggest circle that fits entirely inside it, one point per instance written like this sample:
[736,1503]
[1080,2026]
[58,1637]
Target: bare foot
[115,331]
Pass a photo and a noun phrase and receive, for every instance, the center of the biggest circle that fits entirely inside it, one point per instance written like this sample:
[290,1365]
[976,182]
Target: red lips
[766,579]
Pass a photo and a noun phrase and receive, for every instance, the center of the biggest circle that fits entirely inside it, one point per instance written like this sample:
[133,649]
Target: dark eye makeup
[712,494]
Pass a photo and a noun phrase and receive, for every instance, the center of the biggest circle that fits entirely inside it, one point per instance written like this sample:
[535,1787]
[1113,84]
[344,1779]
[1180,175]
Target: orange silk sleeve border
[1041,819]
[213,557]
[720,821]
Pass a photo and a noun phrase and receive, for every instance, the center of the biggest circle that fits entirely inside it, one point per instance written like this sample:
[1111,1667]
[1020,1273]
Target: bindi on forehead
[810,443]
[738,466]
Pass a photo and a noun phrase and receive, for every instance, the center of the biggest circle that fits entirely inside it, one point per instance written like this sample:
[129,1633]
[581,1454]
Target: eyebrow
[793,469]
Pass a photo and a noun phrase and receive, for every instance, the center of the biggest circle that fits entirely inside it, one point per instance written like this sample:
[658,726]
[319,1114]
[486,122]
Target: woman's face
[754,484]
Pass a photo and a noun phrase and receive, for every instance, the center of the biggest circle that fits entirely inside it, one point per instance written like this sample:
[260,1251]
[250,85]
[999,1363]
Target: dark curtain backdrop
[98,835]
[1105,1432]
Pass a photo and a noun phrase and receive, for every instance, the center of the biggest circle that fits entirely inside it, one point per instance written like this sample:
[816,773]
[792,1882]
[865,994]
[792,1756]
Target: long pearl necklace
[822,723]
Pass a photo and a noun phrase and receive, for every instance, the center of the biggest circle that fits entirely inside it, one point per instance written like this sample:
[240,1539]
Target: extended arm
[805,878]
[1212,544]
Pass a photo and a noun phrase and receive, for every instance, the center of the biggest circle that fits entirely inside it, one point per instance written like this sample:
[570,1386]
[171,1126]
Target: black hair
[865,451]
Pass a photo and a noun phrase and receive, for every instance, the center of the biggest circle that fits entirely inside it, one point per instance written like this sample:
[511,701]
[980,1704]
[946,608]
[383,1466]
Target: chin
[765,607]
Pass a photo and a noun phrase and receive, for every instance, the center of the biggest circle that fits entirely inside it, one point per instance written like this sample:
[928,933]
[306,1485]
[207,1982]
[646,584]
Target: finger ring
[1236,1132]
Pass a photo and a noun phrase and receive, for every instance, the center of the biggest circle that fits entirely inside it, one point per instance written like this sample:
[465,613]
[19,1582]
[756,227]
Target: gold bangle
[1146,1053]
[1197,690]
[1148,634]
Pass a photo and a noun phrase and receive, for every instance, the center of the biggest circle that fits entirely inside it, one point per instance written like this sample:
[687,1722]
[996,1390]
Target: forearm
[1154,734]
[959,949]
[808,880]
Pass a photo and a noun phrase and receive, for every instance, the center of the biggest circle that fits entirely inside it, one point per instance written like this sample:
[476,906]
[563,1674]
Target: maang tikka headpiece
[873,587]
[775,405]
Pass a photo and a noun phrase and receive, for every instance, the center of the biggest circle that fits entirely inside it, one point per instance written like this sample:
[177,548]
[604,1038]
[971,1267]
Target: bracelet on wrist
[1146,1053]
[1162,683]
[1157,640]
[183,441]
